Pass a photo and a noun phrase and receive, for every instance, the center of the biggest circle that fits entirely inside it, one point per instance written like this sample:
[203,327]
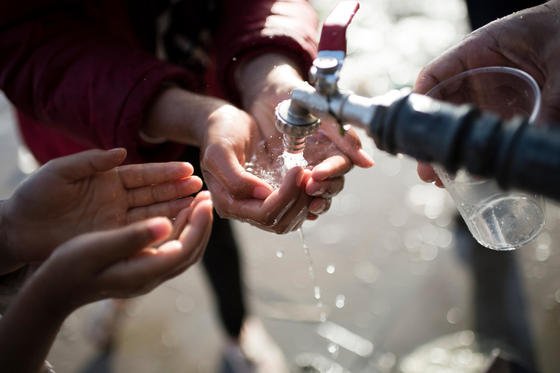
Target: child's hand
[85,192]
[123,262]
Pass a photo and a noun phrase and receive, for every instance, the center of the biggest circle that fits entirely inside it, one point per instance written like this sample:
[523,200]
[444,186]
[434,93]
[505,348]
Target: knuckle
[269,219]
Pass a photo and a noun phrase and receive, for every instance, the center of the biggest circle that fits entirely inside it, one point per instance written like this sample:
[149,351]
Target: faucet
[511,151]
[294,118]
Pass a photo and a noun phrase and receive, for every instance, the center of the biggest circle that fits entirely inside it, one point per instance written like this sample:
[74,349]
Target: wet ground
[405,287]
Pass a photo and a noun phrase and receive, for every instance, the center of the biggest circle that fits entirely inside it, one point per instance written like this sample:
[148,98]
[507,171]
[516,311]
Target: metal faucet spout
[295,123]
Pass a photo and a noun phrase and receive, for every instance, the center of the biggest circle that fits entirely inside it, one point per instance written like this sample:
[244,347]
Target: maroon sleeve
[61,69]
[251,27]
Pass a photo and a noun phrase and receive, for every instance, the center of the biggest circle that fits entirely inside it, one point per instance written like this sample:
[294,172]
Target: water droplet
[291,160]
[340,301]
[280,254]
[317,292]
[453,315]
[330,269]
[333,349]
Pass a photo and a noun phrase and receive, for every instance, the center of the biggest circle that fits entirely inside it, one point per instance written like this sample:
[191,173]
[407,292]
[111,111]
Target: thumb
[81,165]
[225,169]
[109,246]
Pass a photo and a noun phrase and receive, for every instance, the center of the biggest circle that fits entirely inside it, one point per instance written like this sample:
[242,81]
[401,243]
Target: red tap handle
[333,33]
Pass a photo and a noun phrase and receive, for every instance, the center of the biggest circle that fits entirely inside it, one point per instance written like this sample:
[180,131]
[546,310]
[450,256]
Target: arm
[251,28]
[100,265]
[268,48]
[81,76]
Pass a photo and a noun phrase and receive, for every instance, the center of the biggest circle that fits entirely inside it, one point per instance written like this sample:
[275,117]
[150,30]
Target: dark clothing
[82,73]
[482,12]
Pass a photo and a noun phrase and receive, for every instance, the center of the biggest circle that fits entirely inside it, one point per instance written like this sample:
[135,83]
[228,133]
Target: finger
[80,165]
[334,166]
[326,189]
[197,232]
[199,248]
[426,172]
[141,273]
[183,216]
[151,267]
[349,143]
[117,244]
[140,175]
[149,195]
[294,216]
[263,214]
[225,168]
[168,209]
[311,216]
[267,213]
[319,206]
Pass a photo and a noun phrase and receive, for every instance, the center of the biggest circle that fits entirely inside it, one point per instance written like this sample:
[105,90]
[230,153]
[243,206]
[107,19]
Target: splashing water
[291,160]
[311,271]
[333,349]
[340,301]
[273,171]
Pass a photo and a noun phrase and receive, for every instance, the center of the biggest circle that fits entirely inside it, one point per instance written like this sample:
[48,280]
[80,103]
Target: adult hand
[528,40]
[266,81]
[86,192]
[232,137]
[227,138]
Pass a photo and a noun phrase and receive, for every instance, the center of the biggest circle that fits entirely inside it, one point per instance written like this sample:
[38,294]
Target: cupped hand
[268,80]
[528,40]
[232,137]
[87,192]
[124,262]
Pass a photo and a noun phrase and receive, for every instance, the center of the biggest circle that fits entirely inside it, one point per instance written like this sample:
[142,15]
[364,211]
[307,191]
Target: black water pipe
[516,154]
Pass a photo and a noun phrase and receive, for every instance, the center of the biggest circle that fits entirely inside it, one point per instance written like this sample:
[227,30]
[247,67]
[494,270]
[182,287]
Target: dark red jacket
[81,73]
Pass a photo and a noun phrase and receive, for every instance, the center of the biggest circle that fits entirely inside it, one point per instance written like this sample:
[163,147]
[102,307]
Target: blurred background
[403,285]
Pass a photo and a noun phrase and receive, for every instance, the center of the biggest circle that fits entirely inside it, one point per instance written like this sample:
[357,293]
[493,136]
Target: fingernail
[261,192]
[317,190]
[369,160]
[119,151]
[317,207]
[204,194]
[171,246]
[159,227]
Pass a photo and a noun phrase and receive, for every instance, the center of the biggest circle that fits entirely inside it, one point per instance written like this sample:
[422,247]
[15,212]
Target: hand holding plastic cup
[498,219]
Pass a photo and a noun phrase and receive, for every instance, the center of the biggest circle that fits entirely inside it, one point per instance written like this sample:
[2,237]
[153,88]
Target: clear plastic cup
[498,219]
